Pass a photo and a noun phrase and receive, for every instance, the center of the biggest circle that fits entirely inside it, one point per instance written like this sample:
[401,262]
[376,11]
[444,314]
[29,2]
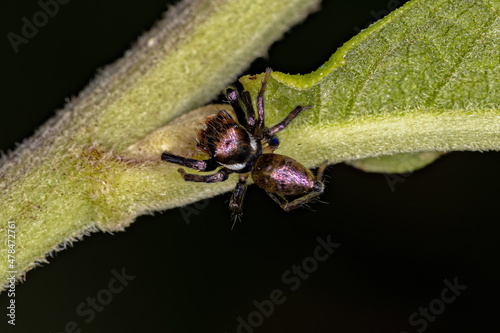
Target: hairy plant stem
[74,176]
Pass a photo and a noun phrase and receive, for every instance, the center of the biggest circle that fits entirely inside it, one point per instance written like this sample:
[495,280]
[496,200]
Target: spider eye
[274,141]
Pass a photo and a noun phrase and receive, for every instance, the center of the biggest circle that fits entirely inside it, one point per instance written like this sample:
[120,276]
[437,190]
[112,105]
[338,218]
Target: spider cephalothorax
[247,147]
[233,146]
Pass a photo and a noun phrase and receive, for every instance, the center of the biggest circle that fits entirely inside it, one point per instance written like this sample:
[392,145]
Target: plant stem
[73,176]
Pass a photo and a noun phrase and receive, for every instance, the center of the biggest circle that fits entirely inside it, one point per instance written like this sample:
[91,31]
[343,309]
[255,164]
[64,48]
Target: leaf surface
[424,79]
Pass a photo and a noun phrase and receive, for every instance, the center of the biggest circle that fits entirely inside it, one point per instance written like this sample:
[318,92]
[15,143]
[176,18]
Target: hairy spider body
[282,175]
[247,147]
[223,139]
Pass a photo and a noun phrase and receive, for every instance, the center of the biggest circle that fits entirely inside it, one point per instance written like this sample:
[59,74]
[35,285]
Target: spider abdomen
[282,175]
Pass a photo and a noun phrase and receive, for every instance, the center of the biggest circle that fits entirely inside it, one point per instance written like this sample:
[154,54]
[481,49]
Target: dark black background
[398,243]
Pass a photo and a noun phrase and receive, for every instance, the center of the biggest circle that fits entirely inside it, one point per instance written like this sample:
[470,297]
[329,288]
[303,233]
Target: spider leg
[321,170]
[260,106]
[247,101]
[234,99]
[279,199]
[207,165]
[269,133]
[219,176]
[236,202]
[291,205]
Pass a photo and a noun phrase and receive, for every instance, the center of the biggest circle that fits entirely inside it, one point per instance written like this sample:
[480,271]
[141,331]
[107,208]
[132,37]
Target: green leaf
[424,79]
[397,163]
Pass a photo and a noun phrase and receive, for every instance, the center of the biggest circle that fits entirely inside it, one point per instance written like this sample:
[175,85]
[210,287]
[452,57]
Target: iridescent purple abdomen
[282,175]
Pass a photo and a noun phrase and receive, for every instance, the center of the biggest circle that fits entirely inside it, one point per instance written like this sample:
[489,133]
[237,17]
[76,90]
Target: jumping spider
[246,147]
